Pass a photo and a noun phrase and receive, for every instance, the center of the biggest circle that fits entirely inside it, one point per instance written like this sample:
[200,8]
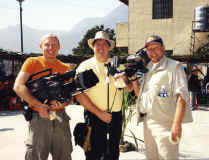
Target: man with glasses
[163,102]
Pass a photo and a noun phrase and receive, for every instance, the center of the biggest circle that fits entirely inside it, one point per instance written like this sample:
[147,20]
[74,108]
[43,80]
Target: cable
[113,100]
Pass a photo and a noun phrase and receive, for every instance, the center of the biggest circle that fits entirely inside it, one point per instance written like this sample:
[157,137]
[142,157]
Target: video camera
[134,63]
[57,86]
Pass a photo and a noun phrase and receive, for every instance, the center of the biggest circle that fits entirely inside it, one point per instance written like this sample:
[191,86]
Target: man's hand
[85,101]
[55,105]
[176,131]
[133,77]
[105,116]
[43,111]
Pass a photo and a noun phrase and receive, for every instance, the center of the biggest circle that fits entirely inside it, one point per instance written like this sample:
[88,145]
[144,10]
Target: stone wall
[176,32]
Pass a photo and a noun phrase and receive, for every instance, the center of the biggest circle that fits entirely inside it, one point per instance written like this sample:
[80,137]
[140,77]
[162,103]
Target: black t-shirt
[194,84]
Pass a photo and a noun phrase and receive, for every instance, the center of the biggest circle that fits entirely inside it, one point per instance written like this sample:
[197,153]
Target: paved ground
[194,143]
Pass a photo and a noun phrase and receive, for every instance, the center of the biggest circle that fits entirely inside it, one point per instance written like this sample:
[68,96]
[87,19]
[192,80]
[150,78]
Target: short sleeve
[181,83]
[28,66]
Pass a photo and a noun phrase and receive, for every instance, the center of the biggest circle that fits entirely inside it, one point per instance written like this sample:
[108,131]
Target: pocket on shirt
[166,106]
[163,101]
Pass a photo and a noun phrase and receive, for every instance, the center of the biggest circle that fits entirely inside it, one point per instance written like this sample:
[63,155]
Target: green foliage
[84,50]
[135,140]
[127,110]
[203,50]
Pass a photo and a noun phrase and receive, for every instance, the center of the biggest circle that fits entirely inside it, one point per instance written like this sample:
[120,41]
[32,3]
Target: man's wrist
[132,80]
[43,106]
[177,123]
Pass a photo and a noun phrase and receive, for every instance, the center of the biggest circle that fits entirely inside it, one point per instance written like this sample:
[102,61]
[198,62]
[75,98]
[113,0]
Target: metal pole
[21,31]
[107,154]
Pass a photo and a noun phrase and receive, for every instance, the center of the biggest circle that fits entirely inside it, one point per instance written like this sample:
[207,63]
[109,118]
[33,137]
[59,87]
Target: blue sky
[53,14]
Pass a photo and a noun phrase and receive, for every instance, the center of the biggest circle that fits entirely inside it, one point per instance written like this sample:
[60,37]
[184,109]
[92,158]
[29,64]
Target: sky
[53,14]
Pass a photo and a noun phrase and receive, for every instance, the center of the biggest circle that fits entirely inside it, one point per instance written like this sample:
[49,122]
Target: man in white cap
[95,101]
[163,102]
[46,134]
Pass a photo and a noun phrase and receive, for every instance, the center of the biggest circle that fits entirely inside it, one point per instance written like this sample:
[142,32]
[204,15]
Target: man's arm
[22,91]
[85,101]
[176,130]
[134,85]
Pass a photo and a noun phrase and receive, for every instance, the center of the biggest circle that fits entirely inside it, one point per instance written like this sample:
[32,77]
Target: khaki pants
[47,136]
[158,146]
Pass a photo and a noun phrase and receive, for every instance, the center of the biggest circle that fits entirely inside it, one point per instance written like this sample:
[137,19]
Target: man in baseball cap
[164,102]
[153,39]
[155,48]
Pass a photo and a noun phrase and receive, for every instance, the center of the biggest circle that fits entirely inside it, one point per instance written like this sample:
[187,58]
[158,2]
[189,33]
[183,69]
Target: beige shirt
[167,76]
[98,93]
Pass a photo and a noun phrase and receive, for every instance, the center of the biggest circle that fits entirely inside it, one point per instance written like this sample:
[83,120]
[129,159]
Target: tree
[84,50]
[203,50]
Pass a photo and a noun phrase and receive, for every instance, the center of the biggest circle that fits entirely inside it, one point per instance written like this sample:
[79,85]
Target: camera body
[137,63]
[134,63]
[58,87]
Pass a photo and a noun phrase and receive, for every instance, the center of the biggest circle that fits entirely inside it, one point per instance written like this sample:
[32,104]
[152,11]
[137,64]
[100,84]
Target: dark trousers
[98,140]
[193,96]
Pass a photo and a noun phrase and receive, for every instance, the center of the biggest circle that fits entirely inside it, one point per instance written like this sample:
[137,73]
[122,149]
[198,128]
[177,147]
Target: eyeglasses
[153,49]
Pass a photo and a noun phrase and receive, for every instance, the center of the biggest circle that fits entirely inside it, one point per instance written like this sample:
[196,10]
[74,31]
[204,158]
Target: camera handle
[45,70]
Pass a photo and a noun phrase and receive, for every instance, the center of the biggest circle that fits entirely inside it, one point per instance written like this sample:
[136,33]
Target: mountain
[10,36]
[71,39]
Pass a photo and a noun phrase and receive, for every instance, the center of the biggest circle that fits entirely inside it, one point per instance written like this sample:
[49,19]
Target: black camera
[58,87]
[133,62]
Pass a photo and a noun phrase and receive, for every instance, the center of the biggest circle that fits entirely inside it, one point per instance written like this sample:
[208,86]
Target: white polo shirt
[167,75]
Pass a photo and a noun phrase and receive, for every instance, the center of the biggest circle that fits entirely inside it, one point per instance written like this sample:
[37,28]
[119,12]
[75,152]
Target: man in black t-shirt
[194,86]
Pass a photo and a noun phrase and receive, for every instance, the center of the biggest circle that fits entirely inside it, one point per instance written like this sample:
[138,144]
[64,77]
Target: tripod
[107,154]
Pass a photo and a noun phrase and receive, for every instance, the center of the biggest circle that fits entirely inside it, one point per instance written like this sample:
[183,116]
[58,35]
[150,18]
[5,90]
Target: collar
[49,62]
[101,63]
[161,65]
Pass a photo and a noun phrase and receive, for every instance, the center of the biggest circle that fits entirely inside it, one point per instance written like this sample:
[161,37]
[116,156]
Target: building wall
[122,34]
[176,31]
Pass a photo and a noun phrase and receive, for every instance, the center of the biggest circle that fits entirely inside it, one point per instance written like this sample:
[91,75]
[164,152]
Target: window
[169,52]
[162,9]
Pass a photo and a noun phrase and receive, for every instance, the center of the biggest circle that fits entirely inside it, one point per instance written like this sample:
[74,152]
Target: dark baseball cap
[153,39]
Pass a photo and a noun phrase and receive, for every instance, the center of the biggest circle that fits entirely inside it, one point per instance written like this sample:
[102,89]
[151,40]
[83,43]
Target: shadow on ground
[10,113]
[6,129]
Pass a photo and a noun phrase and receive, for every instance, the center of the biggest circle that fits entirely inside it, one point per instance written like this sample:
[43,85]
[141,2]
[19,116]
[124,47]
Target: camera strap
[113,100]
